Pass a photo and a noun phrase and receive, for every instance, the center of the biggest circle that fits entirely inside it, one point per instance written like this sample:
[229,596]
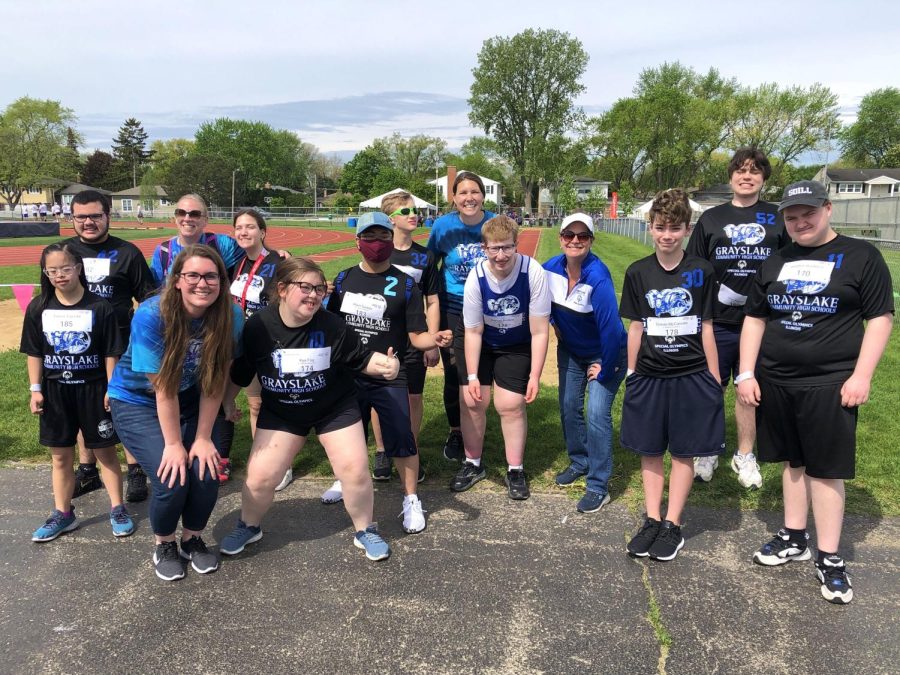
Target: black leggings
[450,321]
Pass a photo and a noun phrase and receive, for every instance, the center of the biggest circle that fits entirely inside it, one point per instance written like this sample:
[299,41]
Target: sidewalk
[490,586]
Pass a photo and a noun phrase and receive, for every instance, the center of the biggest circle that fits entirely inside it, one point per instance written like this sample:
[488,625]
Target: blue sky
[342,73]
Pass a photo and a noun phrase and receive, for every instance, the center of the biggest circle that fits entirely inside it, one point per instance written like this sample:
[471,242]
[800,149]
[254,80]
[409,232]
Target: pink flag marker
[23,293]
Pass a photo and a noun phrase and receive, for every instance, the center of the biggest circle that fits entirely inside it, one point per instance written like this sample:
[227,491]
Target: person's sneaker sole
[602,503]
[834,598]
[252,540]
[68,528]
[124,534]
[374,558]
[774,560]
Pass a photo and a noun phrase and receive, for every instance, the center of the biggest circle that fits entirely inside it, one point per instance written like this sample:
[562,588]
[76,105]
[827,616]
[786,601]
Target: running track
[277,237]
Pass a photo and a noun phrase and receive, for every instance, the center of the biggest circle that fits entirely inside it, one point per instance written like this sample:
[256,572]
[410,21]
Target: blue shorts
[728,342]
[392,405]
[684,414]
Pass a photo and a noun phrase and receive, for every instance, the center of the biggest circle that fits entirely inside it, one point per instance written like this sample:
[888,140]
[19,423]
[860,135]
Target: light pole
[437,201]
[232,191]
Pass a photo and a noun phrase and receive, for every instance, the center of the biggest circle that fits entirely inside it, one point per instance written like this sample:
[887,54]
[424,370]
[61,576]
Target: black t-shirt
[73,340]
[419,263]
[304,372]
[116,271]
[254,294]
[672,306]
[736,240]
[383,309]
[814,301]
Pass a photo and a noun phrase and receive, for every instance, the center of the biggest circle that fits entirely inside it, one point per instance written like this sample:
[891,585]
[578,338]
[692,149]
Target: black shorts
[392,406]
[807,427]
[343,414]
[728,342]
[69,408]
[685,414]
[415,371]
[508,367]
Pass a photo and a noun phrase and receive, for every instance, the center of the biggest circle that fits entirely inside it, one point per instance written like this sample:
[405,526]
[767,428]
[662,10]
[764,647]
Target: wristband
[472,377]
[34,387]
[743,377]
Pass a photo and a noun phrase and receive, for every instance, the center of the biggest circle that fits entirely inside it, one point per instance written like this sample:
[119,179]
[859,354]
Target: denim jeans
[139,430]
[589,446]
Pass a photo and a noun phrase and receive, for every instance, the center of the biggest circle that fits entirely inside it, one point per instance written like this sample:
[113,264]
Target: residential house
[583,185]
[67,194]
[859,183]
[126,201]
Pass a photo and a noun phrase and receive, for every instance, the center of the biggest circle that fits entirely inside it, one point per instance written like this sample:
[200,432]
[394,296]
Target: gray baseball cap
[804,193]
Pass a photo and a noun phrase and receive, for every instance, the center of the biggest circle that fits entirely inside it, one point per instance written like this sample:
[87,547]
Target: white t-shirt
[539,302]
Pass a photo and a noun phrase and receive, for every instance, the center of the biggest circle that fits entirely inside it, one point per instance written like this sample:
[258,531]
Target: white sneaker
[334,494]
[704,467]
[288,477]
[747,469]
[413,515]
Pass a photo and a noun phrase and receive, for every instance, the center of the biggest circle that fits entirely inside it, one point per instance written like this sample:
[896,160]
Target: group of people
[40,211]
[770,297]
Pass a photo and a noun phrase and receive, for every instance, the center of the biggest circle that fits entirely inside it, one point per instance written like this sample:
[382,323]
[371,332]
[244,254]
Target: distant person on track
[140,214]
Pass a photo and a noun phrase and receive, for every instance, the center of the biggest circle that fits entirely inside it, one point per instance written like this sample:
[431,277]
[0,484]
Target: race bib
[811,271]
[414,272]
[730,297]
[253,293]
[367,306]
[66,320]
[671,326]
[304,360]
[504,322]
[96,269]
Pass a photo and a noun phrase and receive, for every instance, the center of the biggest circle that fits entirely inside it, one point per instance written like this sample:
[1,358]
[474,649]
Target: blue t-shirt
[226,246]
[458,246]
[145,351]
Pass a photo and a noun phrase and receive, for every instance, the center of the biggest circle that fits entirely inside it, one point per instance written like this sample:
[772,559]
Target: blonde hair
[394,201]
[499,228]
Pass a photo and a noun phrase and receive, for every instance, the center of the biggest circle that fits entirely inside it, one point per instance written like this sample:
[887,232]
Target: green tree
[595,202]
[524,94]
[130,148]
[33,146]
[627,200]
[207,175]
[359,174]
[874,139]
[100,170]
[566,196]
[417,155]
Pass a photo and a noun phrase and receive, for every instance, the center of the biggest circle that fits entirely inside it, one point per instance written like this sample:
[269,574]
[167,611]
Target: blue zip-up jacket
[588,317]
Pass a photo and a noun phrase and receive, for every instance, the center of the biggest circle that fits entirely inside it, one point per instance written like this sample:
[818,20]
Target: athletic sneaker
[592,502]
[334,494]
[224,470]
[136,485]
[704,467]
[202,559]
[167,561]
[747,469]
[781,550]
[86,480]
[836,586]
[55,525]
[383,467]
[569,475]
[516,485]
[242,535]
[413,515]
[454,449]
[122,524]
[667,543]
[288,477]
[466,477]
[642,541]
[371,542]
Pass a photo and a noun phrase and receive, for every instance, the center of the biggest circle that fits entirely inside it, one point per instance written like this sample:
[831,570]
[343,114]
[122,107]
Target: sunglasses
[196,213]
[567,236]
[405,211]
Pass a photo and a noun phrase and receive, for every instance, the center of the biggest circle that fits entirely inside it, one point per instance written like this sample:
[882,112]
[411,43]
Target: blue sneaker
[56,524]
[592,502]
[371,542]
[122,524]
[242,535]
[569,475]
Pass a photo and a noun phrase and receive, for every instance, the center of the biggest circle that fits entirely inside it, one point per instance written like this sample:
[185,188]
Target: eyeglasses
[568,236]
[93,217]
[66,271]
[309,289]
[193,278]
[195,213]
[405,211]
[376,236]
[506,248]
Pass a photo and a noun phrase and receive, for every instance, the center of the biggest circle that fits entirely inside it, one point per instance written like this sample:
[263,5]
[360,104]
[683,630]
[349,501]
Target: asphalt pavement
[491,586]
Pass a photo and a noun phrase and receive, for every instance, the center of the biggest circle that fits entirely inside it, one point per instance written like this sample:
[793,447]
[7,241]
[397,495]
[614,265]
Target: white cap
[578,218]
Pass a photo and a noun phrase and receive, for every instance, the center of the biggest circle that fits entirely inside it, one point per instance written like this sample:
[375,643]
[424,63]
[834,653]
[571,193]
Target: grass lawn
[874,491]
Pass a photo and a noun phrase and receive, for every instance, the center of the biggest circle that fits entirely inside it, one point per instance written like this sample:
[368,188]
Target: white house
[583,186]
[492,189]
[859,183]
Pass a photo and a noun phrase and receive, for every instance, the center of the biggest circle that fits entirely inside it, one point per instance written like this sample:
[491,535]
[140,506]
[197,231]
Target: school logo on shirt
[105,428]
[671,301]
[508,304]
[745,233]
[468,255]
[69,341]
[191,362]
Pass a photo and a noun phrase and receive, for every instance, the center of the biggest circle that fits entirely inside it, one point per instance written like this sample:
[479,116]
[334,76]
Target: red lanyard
[249,282]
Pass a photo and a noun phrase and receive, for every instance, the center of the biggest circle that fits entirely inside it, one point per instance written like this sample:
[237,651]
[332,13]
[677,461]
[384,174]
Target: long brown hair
[217,338]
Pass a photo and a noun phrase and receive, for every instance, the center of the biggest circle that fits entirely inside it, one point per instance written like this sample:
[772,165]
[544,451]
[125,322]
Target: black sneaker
[383,467]
[667,543]
[136,487]
[167,561]
[781,550]
[836,586]
[86,480]
[454,449]
[202,560]
[466,477]
[642,541]
[516,484]
[421,474]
